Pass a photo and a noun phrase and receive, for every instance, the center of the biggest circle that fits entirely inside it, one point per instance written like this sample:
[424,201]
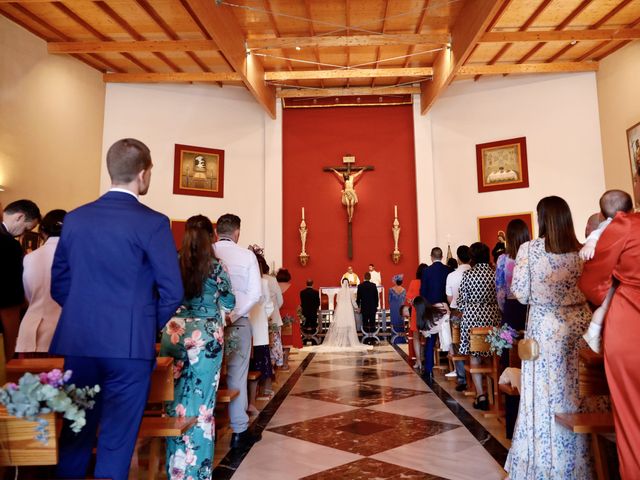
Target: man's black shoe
[461,387]
[244,439]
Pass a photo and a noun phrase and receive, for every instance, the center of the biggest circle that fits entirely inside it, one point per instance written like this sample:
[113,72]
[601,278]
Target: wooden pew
[592,381]
[491,373]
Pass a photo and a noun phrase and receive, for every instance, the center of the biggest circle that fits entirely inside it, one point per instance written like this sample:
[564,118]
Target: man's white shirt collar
[123,190]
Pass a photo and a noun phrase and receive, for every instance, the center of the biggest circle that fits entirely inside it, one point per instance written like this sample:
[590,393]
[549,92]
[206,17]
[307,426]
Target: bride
[342,335]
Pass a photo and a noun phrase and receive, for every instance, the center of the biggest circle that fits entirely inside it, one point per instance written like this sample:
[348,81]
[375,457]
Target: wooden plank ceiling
[306,48]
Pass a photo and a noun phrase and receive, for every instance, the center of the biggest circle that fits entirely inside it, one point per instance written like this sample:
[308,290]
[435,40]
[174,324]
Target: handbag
[528,348]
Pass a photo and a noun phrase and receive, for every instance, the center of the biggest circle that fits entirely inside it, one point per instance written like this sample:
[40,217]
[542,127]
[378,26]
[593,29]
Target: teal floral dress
[194,337]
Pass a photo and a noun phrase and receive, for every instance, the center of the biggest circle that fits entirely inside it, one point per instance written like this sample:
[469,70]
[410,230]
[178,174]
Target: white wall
[559,117]
[203,115]
[51,114]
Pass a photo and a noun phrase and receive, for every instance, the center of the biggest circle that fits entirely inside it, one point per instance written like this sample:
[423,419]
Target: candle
[303,213]
[395,210]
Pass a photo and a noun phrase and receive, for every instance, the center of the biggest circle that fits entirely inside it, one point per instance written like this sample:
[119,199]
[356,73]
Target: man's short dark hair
[309,282]
[367,276]
[127,158]
[436,253]
[463,254]
[27,207]
[227,224]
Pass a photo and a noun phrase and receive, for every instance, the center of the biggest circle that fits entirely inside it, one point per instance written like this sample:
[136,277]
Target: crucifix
[347,177]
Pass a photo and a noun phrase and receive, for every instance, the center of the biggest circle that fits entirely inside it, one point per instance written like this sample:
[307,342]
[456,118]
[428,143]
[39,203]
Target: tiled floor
[363,416]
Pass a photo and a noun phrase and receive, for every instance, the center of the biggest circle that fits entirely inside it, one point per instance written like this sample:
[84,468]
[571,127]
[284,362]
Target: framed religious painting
[198,171]
[492,230]
[30,241]
[502,165]
[633,144]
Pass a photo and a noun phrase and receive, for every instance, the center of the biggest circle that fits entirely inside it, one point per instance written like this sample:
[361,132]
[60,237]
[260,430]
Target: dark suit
[11,290]
[115,274]
[367,300]
[433,289]
[309,304]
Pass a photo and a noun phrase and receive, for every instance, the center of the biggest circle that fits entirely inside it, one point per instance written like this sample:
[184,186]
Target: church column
[273,187]
[425,182]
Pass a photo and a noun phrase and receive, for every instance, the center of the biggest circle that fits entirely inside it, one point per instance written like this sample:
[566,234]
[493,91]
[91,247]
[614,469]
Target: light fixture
[1,188]
[573,42]
[298,48]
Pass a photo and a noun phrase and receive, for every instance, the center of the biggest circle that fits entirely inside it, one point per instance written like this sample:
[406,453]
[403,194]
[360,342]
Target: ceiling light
[298,48]
[573,42]
[1,188]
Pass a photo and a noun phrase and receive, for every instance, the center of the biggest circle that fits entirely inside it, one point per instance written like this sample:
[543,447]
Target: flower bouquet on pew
[48,392]
[500,338]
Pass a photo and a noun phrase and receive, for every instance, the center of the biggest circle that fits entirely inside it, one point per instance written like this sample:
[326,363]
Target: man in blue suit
[115,273]
[433,288]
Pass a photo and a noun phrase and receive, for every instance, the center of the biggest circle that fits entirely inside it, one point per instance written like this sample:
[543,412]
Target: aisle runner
[363,416]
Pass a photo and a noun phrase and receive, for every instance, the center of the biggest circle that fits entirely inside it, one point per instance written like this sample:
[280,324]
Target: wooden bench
[592,381]
[593,424]
[491,373]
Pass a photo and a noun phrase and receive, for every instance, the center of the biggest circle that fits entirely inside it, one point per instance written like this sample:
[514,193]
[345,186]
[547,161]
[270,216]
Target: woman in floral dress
[194,337]
[546,276]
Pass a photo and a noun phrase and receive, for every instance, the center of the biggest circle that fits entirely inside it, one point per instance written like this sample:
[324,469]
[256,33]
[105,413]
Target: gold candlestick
[303,257]
[395,229]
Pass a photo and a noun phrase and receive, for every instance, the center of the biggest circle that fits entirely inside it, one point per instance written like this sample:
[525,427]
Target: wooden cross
[348,178]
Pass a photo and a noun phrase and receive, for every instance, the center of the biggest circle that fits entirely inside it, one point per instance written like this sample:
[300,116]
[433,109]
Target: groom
[367,300]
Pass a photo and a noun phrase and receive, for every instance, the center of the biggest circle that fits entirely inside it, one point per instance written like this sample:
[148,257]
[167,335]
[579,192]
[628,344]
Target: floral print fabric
[504,278]
[558,315]
[196,343]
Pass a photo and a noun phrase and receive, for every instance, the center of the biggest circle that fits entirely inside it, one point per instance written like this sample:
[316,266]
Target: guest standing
[546,276]
[433,289]
[19,217]
[412,292]
[194,337]
[616,260]
[115,273]
[514,313]
[479,306]
[41,318]
[397,298]
[245,281]
[453,292]
[275,320]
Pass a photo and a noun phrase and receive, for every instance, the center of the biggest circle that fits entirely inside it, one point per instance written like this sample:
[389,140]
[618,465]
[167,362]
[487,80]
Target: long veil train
[342,335]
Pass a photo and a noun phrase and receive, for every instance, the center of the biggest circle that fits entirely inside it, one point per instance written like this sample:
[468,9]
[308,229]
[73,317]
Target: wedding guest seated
[41,318]
[194,337]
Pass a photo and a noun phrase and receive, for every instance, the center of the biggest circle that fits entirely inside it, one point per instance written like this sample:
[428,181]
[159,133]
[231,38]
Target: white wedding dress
[342,335]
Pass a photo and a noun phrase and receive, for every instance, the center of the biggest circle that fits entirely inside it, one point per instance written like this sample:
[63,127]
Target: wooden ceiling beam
[316,50]
[135,46]
[350,73]
[493,23]
[522,68]
[563,36]
[473,20]
[345,92]
[532,18]
[175,77]
[222,26]
[382,40]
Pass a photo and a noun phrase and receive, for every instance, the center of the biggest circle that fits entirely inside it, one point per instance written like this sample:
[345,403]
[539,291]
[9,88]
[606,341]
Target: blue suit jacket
[434,282]
[115,274]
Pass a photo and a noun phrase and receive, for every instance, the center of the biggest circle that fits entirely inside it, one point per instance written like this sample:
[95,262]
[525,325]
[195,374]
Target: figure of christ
[349,195]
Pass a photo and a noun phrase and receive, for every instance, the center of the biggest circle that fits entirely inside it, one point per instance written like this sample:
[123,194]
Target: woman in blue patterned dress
[397,298]
[194,337]
[546,276]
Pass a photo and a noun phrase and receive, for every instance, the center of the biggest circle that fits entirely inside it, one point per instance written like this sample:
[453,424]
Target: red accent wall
[314,138]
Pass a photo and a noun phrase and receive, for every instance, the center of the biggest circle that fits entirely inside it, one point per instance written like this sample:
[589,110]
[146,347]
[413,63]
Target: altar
[331,293]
